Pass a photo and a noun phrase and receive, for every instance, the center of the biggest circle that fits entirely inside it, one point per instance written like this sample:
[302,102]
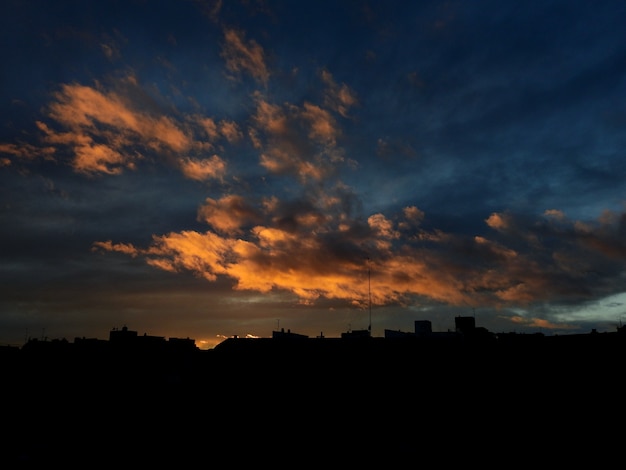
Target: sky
[206,169]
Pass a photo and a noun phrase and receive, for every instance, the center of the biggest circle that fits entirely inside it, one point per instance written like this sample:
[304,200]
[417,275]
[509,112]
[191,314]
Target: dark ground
[289,404]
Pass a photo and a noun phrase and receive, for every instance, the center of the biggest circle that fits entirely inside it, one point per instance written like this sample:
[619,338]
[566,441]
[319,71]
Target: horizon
[288,331]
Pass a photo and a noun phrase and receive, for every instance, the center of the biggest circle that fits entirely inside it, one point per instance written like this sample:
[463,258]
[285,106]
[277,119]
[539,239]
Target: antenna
[369,293]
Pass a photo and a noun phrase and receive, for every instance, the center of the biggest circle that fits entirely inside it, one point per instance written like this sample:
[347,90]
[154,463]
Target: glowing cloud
[338,98]
[244,57]
[296,140]
[228,214]
[201,170]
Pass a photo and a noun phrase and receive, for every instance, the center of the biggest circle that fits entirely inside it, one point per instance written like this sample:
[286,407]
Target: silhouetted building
[128,339]
[423,327]
[123,336]
[356,334]
[150,341]
[423,330]
[465,324]
[391,334]
[282,334]
[182,344]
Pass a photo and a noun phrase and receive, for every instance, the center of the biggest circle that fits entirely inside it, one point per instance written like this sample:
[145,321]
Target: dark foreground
[301,404]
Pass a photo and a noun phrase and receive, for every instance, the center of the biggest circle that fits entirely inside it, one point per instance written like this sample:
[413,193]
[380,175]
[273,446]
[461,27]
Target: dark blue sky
[208,169]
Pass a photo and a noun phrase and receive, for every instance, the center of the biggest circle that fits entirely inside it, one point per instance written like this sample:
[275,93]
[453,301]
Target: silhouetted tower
[369,294]
[465,324]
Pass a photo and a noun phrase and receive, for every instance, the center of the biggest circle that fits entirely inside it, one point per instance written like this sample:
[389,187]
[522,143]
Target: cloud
[498,221]
[102,127]
[26,151]
[296,140]
[108,245]
[230,130]
[108,131]
[227,214]
[413,216]
[328,257]
[322,125]
[215,130]
[539,323]
[201,170]
[242,56]
[338,98]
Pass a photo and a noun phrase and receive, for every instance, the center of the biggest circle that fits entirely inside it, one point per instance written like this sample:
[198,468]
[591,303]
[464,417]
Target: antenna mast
[369,293]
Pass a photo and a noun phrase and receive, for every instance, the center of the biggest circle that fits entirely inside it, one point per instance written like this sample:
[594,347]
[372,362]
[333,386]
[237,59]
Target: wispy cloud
[244,56]
[107,131]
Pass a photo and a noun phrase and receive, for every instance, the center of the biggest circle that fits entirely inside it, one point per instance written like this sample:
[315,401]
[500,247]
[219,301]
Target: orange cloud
[297,262]
[338,98]
[539,323]
[413,214]
[311,265]
[242,56]
[382,226]
[125,248]
[101,129]
[323,127]
[109,131]
[201,170]
[202,254]
[270,118]
[209,126]
[498,221]
[26,151]
[227,214]
[293,140]
[230,130]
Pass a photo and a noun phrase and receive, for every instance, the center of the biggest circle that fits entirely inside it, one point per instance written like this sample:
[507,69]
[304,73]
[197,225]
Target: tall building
[465,324]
